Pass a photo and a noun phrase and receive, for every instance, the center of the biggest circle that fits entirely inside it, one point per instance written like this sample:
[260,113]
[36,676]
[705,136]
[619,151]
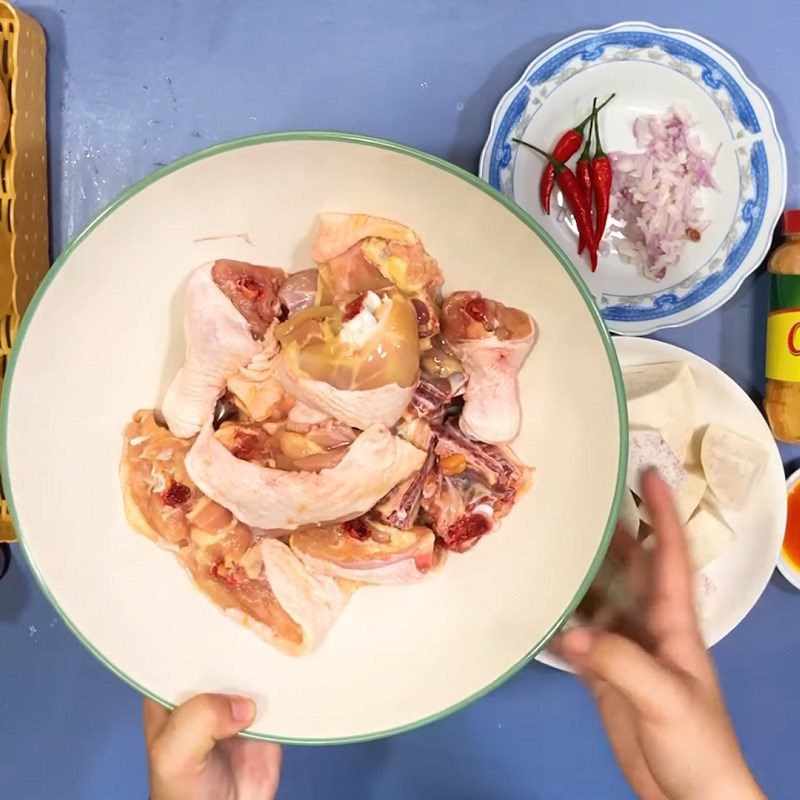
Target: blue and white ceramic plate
[650,69]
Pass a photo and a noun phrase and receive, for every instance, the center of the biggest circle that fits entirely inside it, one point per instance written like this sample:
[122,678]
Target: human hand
[194,755]
[662,707]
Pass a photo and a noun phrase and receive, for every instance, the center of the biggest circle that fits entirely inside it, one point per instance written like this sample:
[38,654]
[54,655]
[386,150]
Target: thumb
[197,725]
[608,657]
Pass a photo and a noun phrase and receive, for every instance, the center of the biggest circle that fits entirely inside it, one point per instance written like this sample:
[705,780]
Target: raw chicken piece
[218,540]
[252,289]
[349,551]
[262,586]
[471,488]
[400,507]
[368,343]
[430,397]
[437,398]
[359,408]
[301,414]
[492,341]
[273,498]
[339,232]
[257,386]
[276,446]
[349,274]
[406,265]
[299,291]
[157,490]
[313,601]
[444,503]
[269,591]
[415,430]
[426,307]
[359,253]
[219,339]
[494,466]
[442,382]
[438,360]
[359,365]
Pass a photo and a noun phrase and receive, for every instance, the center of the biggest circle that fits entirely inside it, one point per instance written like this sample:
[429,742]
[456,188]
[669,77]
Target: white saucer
[741,573]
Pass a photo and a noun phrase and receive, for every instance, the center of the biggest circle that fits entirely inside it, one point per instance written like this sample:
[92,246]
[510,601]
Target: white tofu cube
[663,397]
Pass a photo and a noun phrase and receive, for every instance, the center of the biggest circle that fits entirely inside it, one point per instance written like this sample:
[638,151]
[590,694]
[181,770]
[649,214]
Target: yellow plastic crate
[24,254]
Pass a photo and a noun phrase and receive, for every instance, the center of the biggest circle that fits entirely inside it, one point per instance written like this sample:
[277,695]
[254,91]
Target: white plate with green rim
[734,581]
[103,338]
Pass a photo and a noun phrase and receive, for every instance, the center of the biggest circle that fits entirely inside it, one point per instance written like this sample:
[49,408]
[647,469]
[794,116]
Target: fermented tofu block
[663,397]
[647,448]
[707,536]
[629,514]
[688,499]
[732,464]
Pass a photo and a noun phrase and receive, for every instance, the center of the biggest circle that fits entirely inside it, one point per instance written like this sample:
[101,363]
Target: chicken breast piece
[269,591]
[359,253]
[492,342]
[400,556]
[313,601]
[273,498]
[359,408]
[157,491]
[362,375]
[229,307]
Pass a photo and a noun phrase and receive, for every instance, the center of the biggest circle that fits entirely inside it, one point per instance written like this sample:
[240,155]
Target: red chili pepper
[602,174]
[565,148]
[583,172]
[571,189]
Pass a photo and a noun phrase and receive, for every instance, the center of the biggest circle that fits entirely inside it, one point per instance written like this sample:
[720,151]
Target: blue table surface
[133,86]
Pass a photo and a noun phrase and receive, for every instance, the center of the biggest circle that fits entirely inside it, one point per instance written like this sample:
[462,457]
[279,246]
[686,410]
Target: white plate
[742,572]
[104,337]
[650,69]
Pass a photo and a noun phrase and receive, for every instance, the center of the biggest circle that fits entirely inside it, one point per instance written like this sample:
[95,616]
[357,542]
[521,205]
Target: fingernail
[243,709]
[578,642]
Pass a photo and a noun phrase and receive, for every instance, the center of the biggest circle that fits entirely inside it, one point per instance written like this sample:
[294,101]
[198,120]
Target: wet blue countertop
[133,86]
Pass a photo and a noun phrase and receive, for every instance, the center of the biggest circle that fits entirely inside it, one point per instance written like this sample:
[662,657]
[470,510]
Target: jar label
[783,345]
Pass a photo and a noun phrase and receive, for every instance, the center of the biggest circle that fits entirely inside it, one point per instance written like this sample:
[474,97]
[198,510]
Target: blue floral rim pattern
[715,77]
